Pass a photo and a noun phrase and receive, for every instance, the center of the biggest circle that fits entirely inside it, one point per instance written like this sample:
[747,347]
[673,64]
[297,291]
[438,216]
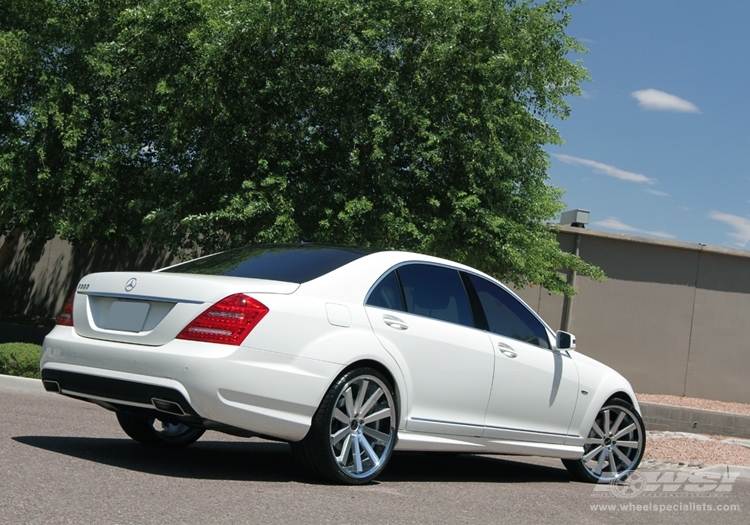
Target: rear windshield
[293,263]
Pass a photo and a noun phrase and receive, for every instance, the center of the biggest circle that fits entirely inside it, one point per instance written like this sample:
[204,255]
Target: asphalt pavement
[64,461]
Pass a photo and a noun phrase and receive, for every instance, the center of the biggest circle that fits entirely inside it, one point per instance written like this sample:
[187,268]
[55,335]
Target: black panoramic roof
[294,263]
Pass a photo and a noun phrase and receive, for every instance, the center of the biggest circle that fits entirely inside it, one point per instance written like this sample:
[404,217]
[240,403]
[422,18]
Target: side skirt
[420,442]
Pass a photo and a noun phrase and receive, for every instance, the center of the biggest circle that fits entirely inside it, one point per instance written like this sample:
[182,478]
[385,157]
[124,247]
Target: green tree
[53,140]
[411,124]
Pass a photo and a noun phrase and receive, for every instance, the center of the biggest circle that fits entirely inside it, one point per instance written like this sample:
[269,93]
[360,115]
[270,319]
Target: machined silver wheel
[353,432]
[614,446]
[362,428]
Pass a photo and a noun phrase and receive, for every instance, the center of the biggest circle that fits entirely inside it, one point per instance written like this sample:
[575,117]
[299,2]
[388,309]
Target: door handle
[395,322]
[507,350]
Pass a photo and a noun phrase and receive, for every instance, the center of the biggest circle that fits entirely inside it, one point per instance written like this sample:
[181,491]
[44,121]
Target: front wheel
[353,432]
[614,446]
[151,431]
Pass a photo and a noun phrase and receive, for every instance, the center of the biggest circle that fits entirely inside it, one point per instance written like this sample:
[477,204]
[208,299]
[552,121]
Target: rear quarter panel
[298,326]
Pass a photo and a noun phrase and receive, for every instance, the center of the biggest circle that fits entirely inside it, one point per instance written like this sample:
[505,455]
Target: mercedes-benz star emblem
[131,284]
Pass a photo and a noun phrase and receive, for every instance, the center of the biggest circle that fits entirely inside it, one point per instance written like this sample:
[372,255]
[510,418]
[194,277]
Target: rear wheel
[614,446]
[353,431]
[153,432]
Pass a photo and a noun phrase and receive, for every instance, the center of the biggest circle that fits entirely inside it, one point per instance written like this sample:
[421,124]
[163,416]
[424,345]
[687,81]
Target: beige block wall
[719,359]
[638,320]
[640,329]
[41,275]
[670,316]
[50,279]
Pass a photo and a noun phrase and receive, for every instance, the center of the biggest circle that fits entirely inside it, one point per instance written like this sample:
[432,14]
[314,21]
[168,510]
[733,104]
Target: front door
[535,387]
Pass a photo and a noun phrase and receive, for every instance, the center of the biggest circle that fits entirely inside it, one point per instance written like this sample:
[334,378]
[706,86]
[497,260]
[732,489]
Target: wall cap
[680,245]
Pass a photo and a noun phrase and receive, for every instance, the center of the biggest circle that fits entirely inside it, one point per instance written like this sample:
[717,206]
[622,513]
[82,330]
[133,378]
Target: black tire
[614,446]
[353,432]
[143,430]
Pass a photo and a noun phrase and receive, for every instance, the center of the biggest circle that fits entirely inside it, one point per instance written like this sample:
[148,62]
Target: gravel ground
[686,450]
[694,450]
[693,402]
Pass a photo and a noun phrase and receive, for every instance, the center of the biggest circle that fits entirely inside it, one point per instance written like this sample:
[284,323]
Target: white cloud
[658,193]
[606,169]
[660,101]
[741,226]
[613,223]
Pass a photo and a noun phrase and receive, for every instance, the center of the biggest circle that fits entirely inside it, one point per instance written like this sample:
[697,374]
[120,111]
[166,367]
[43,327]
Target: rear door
[421,314]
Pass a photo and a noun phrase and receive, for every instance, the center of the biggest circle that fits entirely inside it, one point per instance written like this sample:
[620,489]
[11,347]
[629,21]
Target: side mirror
[565,341]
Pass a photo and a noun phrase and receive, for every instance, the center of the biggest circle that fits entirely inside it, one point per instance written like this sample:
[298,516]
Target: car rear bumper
[264,393]
[119,393]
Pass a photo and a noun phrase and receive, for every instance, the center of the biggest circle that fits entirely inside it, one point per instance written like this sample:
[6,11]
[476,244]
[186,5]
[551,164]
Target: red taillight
[227,322]
[66,317]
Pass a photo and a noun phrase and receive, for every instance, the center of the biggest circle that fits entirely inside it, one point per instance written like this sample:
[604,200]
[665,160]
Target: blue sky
[659,145]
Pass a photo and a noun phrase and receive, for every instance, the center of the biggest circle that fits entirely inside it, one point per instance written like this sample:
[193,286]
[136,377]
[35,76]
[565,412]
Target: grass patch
[20,359]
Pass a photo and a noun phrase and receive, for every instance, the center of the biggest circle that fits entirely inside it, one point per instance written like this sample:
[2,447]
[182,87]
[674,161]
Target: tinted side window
[507,316]
[437,292]
[387,294]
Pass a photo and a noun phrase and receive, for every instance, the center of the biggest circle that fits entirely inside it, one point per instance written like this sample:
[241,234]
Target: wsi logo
[669,484]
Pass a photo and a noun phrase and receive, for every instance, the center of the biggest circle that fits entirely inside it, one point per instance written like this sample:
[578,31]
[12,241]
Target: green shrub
[20,359]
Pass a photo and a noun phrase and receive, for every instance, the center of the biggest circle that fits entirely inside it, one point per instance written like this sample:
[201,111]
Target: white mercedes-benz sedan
[348,354]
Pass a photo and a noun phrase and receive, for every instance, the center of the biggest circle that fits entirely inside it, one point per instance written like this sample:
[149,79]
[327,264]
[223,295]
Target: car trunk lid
[152,308]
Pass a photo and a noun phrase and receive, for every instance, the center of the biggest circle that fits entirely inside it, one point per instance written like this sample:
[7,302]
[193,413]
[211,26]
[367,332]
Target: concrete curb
[729,470]
[741,442]
[21,384]
[683,419]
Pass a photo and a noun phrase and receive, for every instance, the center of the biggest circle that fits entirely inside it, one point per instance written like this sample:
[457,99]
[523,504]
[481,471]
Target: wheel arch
[624,396]
[582,420]
[383,369]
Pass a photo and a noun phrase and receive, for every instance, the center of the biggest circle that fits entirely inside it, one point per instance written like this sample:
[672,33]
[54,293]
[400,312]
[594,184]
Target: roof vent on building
[577,218]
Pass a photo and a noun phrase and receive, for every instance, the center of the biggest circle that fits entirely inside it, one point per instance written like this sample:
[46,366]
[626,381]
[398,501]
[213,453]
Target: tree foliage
[409,124]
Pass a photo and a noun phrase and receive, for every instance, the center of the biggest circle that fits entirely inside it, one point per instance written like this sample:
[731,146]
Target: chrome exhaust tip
[170,407]
[51,386]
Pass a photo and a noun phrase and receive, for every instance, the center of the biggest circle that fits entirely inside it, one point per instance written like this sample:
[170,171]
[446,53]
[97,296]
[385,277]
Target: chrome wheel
[614,446]
[353,432]
[362,427]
